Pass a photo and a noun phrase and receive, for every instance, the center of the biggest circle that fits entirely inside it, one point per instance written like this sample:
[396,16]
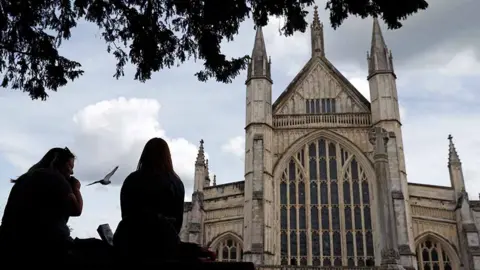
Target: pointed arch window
[432,256]
[325,208]
[229,250]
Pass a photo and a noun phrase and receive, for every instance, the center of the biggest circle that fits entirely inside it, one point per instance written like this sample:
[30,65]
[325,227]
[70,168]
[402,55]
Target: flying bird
[106,179]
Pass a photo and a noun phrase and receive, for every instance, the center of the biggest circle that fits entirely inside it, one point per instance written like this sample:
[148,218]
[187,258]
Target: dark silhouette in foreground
[34,227]
[151,200]
[39,206]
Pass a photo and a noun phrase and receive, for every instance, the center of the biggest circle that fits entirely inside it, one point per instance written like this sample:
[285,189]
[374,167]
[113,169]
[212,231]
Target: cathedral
[325,183]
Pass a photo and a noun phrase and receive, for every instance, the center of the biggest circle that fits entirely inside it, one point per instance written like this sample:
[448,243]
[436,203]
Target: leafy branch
[152,34]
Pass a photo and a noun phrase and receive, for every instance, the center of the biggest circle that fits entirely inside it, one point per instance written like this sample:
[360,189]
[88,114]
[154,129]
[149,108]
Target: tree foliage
[152,34]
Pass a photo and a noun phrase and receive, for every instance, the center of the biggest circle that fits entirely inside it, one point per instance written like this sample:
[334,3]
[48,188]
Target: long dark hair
[156,157]
[54,158]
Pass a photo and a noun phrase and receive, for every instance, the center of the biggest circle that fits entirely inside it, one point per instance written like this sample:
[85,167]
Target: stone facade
[325,179]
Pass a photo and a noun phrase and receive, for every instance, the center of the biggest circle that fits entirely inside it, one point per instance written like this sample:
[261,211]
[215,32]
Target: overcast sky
[106,121]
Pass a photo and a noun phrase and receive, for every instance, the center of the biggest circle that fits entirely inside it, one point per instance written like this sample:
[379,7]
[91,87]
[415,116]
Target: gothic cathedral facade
[325,179]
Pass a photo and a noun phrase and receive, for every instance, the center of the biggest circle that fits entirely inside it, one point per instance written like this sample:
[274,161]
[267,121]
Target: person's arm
[63,193]
[69,194]
[76,199]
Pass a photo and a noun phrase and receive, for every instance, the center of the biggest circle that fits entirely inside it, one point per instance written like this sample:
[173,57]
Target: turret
[259,208]
[381,77]
[455,167]
[467,230]
[200,169]
[259,66]
[197,215]
[316,31]
[386,115]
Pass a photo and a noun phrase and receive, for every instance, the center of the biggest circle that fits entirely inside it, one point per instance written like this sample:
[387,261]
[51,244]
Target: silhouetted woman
[39,205]
[151,200]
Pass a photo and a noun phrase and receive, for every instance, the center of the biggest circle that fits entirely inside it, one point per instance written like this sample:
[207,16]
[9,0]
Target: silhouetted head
[156,157]
[64,162]
[57,158]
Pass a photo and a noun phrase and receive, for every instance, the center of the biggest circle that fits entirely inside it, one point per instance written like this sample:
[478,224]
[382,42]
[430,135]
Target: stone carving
[405,250]
[194,227]
[470,227]
[372,136]
[390,256]
[230,212]
[432,212]
[462,196]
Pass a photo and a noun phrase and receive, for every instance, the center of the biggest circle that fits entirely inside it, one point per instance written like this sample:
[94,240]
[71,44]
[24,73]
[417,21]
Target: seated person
[151,201]
[39,206]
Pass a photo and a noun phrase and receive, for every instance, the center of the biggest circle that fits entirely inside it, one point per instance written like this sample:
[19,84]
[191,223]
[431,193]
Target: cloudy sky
[106,122]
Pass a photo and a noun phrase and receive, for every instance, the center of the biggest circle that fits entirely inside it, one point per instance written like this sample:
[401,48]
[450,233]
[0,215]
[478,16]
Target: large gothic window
[431,256]
[325,208]
[229,250]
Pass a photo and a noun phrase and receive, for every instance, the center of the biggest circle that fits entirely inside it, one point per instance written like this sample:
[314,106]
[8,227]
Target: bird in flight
[106,179]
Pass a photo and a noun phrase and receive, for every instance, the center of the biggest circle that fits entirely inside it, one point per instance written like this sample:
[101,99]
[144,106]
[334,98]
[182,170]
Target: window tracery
[432,256]
[325,208]
[229,250]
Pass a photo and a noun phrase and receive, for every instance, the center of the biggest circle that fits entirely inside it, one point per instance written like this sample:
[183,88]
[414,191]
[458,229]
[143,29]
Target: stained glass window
[229,250]
[325,193]
[431,256]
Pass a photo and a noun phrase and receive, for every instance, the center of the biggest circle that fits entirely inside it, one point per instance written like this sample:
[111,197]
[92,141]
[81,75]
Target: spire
[316,29]
[452,152]
[259,66]
[380,59]
[201,155]
[214,179]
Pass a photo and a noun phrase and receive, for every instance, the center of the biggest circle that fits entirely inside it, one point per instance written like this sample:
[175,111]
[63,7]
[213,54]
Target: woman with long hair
[151,201]
[45,162]
[39,205]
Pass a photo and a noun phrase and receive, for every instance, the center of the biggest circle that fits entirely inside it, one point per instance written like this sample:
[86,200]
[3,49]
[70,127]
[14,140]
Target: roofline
[300,74]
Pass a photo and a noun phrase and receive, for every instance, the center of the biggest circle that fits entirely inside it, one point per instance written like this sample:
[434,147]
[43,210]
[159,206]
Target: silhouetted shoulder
[50,182]
[46,175]
[132,176]
[158,193]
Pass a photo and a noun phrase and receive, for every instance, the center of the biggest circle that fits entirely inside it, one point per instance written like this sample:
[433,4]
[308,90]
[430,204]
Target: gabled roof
[354,93]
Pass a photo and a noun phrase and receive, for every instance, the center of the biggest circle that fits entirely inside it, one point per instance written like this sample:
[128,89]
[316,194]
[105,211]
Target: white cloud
[236,146]
[114,133]
[18,148]
[288,53]
[426,148]
[463,63]
[403,112]
[105,134]
[361,84]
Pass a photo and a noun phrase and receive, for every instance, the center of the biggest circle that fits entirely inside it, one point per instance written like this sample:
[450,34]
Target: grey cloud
[426,152]
[444,23]
[447,25]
